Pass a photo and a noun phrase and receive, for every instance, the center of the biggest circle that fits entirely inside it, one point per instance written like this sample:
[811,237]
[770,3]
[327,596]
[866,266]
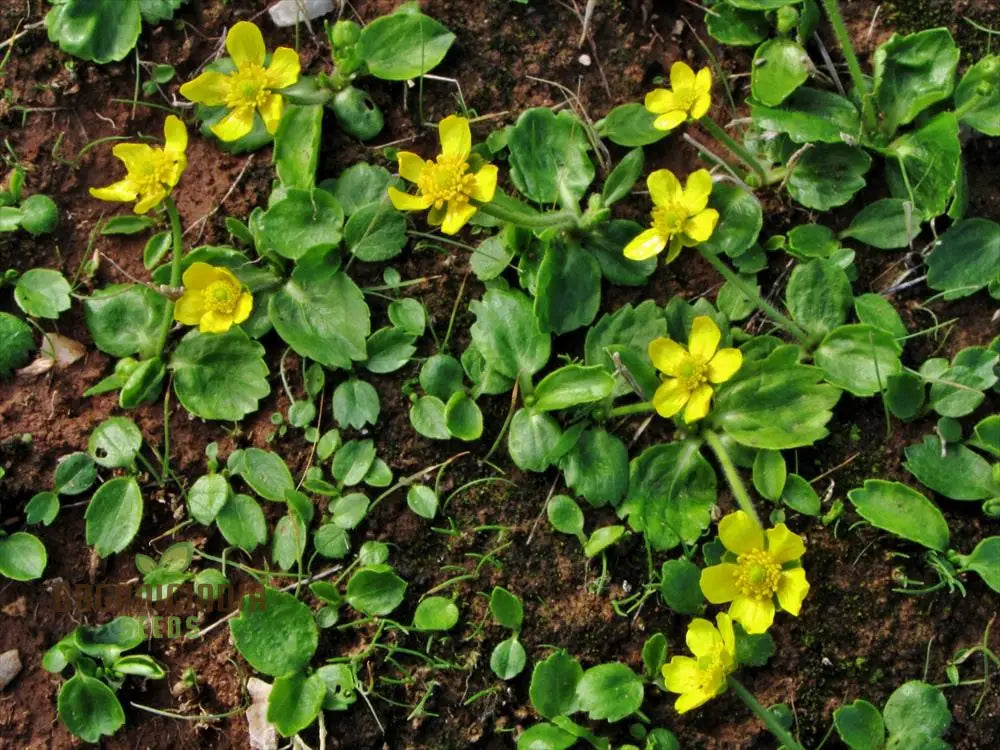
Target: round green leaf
[977,96]
[917,709]
[630,125]
[530,438]
[809,116]
[409,315]
[740,220]
[295,702]
[377,232]
[101,31]
[902,511]
[819,296]
[375,590]
[735,26]
[75,474]
[355,404]
[769,474]
[913,72]
[877,311]
[569,289]
[242,522]
[16,343]
[571,386]
[965,258]
[358,186]
[441,376]
[932,160]
[39,214]
[277,635]
[207,497]
[422,500]
[507,335]
[828,175]
[403,45]
[331,541]
[859,358]
[427,415]
[548,156]
[302,221]
[860,726]
[435,613]
[125,319]
[565,515]
[87,706]
[601,539]
[42,508]
[388,350]
[887,224]
[985,560]
[508,659]
[799,495]
[352,462]
[115,443]
[779,67]
[553,685]
[42,293]
[463,418]
[680,586]
[113,515]
[266,473]
[953,471]
[22,556]
[506,608]
[596,468]
[609,692]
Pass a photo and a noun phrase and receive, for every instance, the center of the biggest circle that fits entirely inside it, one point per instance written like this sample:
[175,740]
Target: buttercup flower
[251,88]
[446,185]
[213,299]
[151,172]
[688,96]
[766,567]
[680,217]
[700,679]
[691,371]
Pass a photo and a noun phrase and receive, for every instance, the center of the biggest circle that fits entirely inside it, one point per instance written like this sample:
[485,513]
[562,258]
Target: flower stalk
[177,251]
[732,475]
[832,9]
[719,134]
[769,719]
[562,219]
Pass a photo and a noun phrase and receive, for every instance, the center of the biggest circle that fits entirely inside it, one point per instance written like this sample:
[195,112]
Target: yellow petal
[176,170]
[189,308]
[700,107]
[694,699]
[699,228]
[696,192]
[739,533]
[718,583]
[659,101]
[702,638]
[792,589]
[644,245]
[243,307]
[213,322]
[236,124]
[436,215]
[698,403]
[245,44]
[133,155]
[668,356]
[681,76]
[486,183]
[725,626]
[784,545]
[724,365]
[271,111]
[704,339]
[149,201]
[703,81]
[670,120]
[456,216]
[122,191]
[456,138]
[681,674]
[284,68]
[199,275]
[755,615]
[670,397]
[209,88]
[224,274]
[175,135]
[406,202]
[664,187]
[410,165]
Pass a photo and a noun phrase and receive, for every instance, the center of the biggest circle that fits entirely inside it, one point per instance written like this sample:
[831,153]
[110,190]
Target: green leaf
[828,175]
[977,96]
[931,159]
[341,686]
[101,31]
[859,358]
[917,711]
[75,474]
[409,315]
[207,497]
[42,293]
[16,343]
[680,587]
[403,45]
[545,737]
[350,510]
[113,515]
[986,435]
[508,659]
[565,515]
[377,232]
[623,177]
[242,522]
[819,296]
[278,635]
[302,221]
[965,258]
[127,225]
[630,125]
[322,315]
[115,443]
[295,702]
[289,541]
[435,613]
[141,666]
[375,590]
[548,156]
[769,474]
[266,473]
[154,11]
[671,491]
[358,186]
[42,508]
[953,471]
[740,220]
[809,116]
[427,415]
[388,350]
[569,289]
[22,556]
[352,462]
[507,334]
[736,27]
[877,311]
[529,439]
[913,72]
[355,404]
[799,495]
[654,656]
[87,706]
[902,511]
[779,67]
[126,319]
[462,417]
[605,243]
[39,214]
[422,500]
[553,685]
[775,402]
[571,386]
[441,375]
[887,224]
[984,560]
[491,257]
[628,327]
[506,609]
[609,692]
[601,539]
[331,541]
[860,726]
[596,468]
[296,145]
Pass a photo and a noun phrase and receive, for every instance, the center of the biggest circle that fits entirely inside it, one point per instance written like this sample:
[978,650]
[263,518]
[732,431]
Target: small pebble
[584,60]
[10,666]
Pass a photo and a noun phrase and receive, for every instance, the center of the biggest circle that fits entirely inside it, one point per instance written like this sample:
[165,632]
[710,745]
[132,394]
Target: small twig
[218,205]
[27,29]
[828,62]
[545,505]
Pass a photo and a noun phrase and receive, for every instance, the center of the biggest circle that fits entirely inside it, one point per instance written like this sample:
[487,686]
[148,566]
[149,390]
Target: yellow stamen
[447,179]
[758,575]
[221,296]
[248,87]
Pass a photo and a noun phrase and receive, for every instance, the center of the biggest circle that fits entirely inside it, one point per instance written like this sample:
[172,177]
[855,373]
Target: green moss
[909,16]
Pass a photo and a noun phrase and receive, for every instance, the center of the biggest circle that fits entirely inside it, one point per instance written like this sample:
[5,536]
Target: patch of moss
[909,16]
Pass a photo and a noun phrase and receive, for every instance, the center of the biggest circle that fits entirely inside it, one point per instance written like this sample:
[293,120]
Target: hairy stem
[552,220]
[719,134]
[732,475]
[844,38]
[770,720]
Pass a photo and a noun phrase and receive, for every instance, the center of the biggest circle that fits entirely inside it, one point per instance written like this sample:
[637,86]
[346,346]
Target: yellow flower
[688,96]
[151,172]
[251,88]
[764,568]
[700,679]
[213,299]
[692,370]
[679,217]
[445,185]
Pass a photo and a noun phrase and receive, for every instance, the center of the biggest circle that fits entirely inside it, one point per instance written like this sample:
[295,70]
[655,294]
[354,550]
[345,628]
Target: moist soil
[856,637]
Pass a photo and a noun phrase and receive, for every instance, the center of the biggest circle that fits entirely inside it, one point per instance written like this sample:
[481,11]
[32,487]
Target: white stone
[289,12]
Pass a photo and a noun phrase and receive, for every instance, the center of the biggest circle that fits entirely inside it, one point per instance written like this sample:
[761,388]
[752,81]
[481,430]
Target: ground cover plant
[598,374]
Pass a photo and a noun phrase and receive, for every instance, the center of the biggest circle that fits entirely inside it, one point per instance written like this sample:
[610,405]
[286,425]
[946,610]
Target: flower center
[758,574]
[713,670]
[154,173]
[684,98]
[221,296]
[693,373]
[669,220]
[447,179]
[248,87]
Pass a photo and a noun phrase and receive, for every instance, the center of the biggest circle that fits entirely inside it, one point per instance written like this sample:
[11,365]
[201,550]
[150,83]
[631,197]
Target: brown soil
[855,636]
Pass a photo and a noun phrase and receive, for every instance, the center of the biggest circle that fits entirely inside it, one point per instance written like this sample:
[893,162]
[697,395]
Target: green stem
[844,38]
[732,475]
[733,145]
[175,269]
[769,719]
[552,220]
[750,293]
[624,411]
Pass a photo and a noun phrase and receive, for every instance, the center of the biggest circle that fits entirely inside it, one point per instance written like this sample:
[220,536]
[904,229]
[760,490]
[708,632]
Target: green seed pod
[125,367]
[787,19]
[343,34]
[143,385]
[357,114]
